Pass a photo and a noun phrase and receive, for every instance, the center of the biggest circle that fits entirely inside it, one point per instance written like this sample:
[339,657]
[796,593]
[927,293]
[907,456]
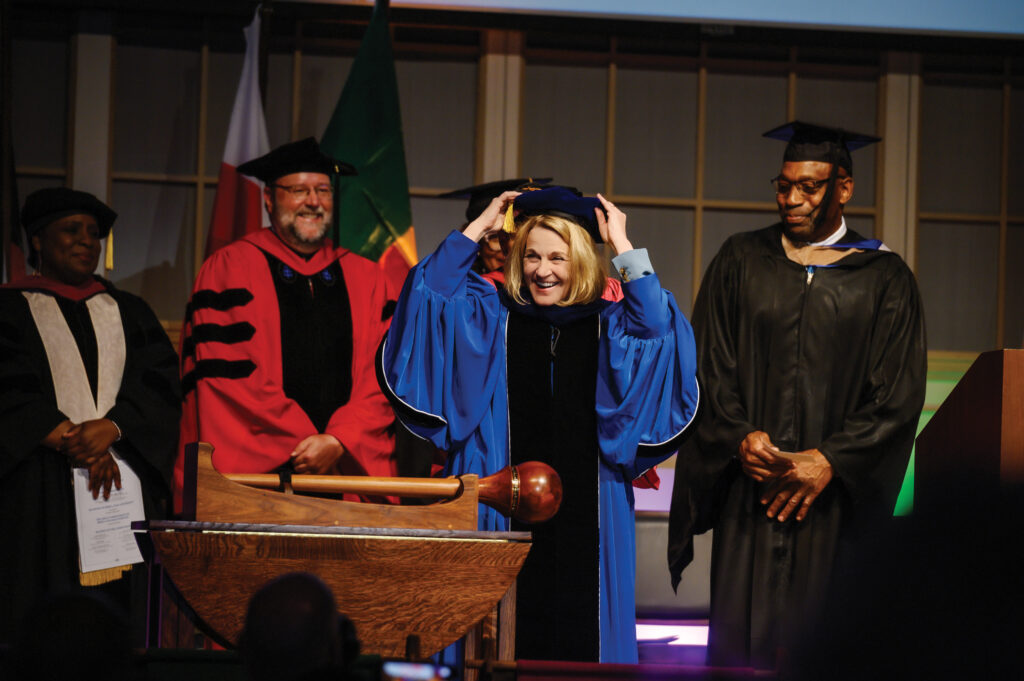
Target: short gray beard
[290,228]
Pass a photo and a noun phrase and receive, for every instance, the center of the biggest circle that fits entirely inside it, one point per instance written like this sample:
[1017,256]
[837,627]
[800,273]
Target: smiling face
[799,210]
[553,261]
[301,221]
[546,266]
[69,248]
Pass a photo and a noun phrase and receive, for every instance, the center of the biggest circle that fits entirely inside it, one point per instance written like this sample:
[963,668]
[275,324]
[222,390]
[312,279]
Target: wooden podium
[410,577]
[975,440]
[393,583]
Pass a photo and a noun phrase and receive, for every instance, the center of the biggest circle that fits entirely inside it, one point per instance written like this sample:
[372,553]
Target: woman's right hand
[493,217]
[55,438]
[103,475]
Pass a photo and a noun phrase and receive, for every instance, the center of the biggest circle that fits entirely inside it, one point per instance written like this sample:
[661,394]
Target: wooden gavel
[530,492]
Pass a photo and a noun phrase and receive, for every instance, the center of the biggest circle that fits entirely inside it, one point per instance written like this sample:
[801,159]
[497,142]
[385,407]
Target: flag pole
[372,210]
[238,204]
[266,13]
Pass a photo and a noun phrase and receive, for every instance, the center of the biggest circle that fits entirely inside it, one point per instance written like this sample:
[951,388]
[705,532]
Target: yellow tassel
[509,226]
[109,261]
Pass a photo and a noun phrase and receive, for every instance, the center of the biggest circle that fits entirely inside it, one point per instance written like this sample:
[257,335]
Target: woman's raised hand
[492,218]
[613,228]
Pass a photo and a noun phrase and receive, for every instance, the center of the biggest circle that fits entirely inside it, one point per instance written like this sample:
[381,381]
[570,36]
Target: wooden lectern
[976,438]
[412,578]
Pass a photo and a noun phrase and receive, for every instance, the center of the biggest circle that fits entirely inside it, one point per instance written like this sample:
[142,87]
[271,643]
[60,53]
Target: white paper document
[105,537]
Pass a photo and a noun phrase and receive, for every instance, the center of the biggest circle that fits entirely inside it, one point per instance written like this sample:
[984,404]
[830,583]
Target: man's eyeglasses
[805,187]
[301,192]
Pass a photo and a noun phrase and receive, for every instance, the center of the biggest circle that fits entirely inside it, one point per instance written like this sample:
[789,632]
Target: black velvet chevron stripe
[217,333]
[217,368]
[218,300]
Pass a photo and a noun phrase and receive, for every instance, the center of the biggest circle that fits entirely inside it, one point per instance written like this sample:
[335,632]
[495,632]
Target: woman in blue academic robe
[544,369]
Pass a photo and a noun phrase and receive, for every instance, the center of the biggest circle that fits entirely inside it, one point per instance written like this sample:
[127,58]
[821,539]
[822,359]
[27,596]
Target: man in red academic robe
[280,335]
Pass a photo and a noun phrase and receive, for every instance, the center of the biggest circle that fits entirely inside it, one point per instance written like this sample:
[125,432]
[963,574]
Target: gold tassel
[97,577]
[109,261]
[509,226]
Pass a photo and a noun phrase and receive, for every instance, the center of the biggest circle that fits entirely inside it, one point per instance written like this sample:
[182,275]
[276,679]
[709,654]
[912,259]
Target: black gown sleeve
[28,408]
[721,423]
[871,451]
[715,325]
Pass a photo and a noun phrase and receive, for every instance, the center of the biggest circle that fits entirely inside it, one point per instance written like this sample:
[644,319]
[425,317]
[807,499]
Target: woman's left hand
[613,228]
[88,441]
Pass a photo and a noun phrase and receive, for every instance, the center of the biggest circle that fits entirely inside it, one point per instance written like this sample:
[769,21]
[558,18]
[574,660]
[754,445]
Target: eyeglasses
[497,239]
[301,192]
[805,187]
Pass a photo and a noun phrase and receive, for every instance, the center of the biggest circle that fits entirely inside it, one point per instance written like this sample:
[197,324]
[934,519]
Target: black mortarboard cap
[810,142]
[303,156]
[480,195]
[564,202]
[44,206]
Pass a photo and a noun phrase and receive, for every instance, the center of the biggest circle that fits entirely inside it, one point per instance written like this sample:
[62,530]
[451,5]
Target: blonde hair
[587,276]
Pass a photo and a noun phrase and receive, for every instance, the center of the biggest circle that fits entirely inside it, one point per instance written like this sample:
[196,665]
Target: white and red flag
[238,205]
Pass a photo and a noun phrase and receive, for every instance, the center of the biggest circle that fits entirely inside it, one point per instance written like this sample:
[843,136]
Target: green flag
[371,210]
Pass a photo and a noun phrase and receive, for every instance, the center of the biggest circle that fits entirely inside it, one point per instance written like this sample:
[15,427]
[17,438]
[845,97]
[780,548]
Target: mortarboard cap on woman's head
[566,202]
[480,195]
[303,156]
[810,142]
[45,206]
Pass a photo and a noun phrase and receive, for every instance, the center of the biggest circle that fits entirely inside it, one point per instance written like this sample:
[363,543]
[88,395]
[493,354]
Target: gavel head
[530,492]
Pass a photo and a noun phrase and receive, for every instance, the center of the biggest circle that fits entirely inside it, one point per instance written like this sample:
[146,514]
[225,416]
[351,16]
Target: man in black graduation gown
[812,366]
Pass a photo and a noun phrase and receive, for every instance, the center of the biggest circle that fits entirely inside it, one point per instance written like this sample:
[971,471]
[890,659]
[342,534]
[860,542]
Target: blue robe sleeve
[443,357]
[647,390]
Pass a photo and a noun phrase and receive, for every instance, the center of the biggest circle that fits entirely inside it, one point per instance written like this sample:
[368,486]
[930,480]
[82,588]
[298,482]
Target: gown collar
[268,241]
[554,315]
[37,282]
[834,237]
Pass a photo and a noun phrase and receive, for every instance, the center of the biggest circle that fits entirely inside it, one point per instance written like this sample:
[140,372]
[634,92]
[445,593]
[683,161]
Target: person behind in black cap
[280,334]
[544,368]
[86,371]
[493,249]
[813,363]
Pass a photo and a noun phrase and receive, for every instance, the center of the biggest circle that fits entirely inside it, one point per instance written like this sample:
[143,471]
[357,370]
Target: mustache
[809,214]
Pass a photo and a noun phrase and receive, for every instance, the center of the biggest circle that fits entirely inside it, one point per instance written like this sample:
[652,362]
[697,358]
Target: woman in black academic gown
[65,335]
